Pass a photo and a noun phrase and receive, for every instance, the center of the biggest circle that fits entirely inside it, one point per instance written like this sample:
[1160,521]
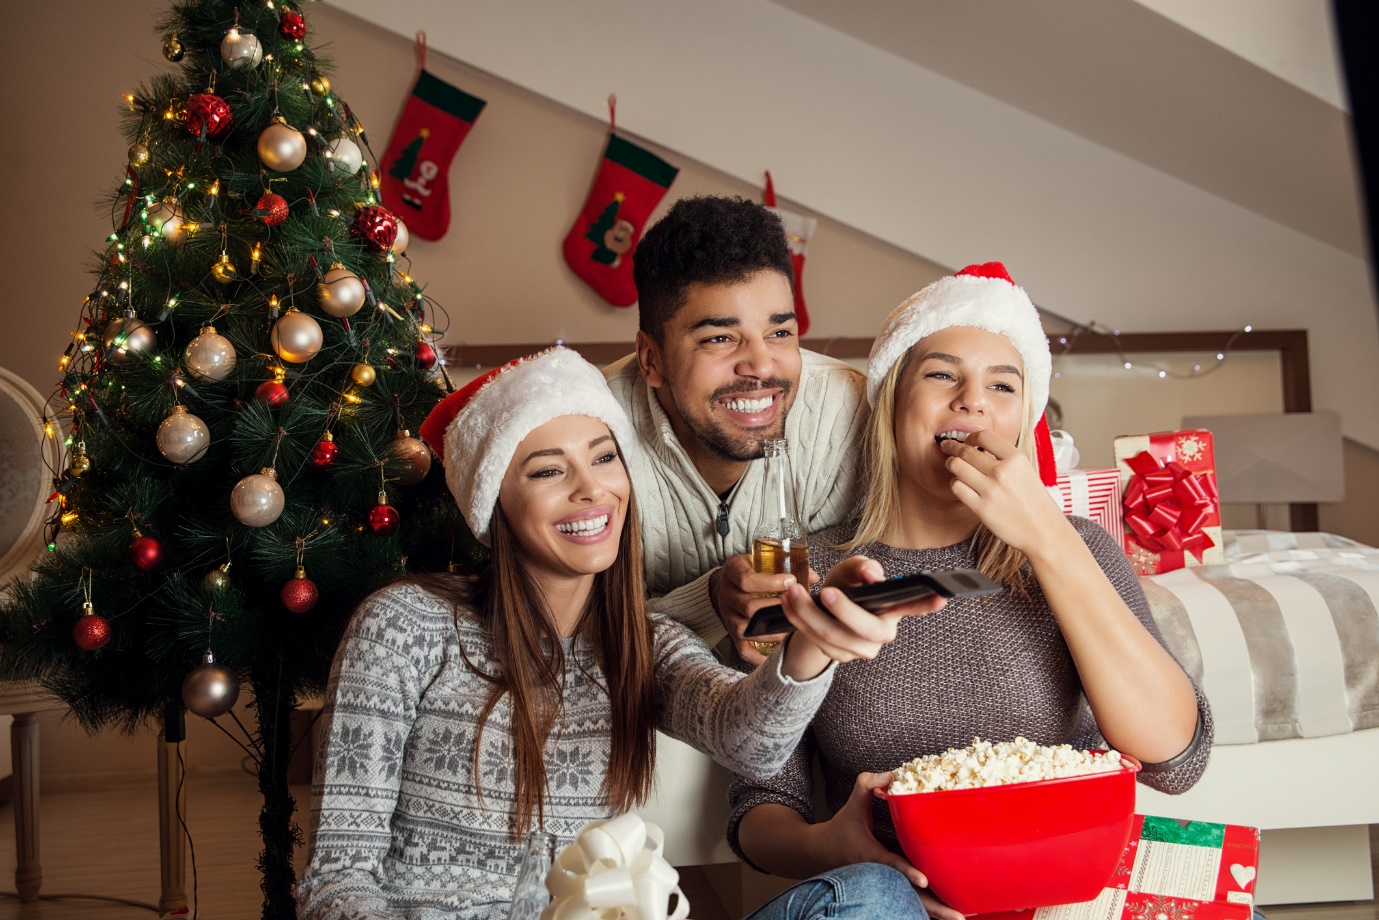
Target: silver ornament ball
[210,689]
[345,156]
[241,49]
[408,459]
[341,292]
[282,148]
[296,337]
[182,437]
[126,339]
[403,238]
[209,356]
[257,500]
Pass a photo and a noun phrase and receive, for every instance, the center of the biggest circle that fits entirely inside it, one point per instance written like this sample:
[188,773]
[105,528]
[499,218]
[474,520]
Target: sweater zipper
[723,517]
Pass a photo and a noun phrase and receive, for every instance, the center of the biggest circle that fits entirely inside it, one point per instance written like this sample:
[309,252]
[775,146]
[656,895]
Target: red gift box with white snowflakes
[1169,502]
[1094,494]
[1171,870]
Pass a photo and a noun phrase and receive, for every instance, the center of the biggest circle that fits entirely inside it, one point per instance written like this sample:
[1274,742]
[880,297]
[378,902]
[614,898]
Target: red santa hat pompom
[475,430]
[984,296]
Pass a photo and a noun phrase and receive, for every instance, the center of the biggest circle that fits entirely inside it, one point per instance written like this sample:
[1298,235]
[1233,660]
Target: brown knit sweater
[994,667]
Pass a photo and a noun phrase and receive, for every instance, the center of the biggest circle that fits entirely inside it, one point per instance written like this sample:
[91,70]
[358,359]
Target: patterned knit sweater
[995,667]
[681,544]
[398,828]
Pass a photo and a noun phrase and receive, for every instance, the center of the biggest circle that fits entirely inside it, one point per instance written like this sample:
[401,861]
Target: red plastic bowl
[1025,845]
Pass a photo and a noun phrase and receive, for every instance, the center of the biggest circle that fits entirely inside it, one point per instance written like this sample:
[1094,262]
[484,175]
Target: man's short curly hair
[707,239]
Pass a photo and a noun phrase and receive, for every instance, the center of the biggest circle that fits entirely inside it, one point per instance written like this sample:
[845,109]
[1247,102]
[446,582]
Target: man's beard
[739,449]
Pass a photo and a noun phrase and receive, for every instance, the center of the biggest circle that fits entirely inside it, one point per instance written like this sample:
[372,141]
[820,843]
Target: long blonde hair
[996,559]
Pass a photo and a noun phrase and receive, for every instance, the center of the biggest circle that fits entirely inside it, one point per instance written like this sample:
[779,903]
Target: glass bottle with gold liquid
[780,545]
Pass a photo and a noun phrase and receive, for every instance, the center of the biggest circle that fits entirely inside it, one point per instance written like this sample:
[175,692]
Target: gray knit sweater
[995,667]
[679,512]
[398,830]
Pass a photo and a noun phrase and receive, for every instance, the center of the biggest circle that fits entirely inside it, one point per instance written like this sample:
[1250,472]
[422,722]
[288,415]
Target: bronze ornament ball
[172,48]
[126,339]
[211,689]
[409,459]
[139,154]
[282,148]
[217,580]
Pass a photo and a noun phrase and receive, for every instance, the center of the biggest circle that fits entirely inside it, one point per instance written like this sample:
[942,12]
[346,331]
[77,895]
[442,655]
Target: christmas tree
[598,232]
[236,402]
[407,160]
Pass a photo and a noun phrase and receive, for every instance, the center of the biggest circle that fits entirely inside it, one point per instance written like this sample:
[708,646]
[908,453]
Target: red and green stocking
[631,181]
[798,230]
[416,166]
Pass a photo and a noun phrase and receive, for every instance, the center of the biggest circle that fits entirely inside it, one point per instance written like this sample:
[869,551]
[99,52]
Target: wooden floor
[103,840]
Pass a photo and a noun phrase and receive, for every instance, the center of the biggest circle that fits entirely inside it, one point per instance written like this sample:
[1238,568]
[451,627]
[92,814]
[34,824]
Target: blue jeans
[865,891]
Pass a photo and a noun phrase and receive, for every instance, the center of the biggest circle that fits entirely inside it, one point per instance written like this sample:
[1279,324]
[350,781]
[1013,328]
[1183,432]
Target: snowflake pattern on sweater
[399,831]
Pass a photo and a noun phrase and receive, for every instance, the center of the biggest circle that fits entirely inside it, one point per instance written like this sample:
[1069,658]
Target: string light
[1163,372]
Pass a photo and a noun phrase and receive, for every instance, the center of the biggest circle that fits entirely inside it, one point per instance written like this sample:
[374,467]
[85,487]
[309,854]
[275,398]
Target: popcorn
[982,763]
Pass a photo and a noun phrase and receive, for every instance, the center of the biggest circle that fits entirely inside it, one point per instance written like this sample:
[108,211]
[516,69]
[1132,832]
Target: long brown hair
[531,666]
[995,558]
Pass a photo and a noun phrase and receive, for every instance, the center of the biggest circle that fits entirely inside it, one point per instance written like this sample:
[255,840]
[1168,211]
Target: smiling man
[718,370]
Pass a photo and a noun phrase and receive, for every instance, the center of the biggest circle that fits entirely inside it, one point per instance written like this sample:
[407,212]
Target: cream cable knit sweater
[679,511]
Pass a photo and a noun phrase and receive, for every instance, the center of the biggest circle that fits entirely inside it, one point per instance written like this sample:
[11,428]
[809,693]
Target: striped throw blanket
[1283,638]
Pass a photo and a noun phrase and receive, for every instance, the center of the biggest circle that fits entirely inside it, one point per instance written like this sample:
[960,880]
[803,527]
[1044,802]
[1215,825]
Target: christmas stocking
[798,230]
[631,181]
[416,166]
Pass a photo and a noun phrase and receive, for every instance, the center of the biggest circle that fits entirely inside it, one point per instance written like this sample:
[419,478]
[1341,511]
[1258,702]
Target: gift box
[1170,505]
[1094,494]
[1171,870]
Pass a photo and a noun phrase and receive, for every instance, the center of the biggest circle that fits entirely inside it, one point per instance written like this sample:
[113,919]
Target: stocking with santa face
[416,183]
[630,182]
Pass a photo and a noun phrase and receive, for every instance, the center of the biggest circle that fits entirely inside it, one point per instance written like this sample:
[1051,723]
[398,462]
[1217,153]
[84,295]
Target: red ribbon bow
[1167,506]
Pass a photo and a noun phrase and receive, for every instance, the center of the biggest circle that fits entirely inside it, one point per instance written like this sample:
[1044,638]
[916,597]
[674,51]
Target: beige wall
[516,185]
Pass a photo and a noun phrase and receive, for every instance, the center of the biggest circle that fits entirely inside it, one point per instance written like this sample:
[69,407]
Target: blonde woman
[958,381]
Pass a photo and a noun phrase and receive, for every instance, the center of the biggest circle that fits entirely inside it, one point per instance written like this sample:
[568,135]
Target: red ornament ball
[384,520]
[324,453]
[299,595]
[90,632]
[271,209]
[425,355]
[292,26]
[377,227]
[272,393]
[146,553]
[208,111]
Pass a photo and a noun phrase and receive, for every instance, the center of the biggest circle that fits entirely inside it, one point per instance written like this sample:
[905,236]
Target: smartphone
[882,595]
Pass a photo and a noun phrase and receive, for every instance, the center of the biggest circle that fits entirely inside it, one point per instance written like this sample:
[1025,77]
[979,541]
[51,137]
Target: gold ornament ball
[257,500]
[296,337]
[408,459]
[172,48]
[217,580]
[320,85]
[138,154]
[79,463]
[363,374]
[341,292]
[282,148]
[224,271]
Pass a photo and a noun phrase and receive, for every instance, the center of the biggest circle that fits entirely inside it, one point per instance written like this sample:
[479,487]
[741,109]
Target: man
[718,369]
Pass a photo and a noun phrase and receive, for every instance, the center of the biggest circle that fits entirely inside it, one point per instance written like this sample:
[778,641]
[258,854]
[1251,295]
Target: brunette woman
[461,715]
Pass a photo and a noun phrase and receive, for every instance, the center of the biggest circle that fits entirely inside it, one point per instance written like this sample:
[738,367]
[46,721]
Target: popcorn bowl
[1018,846]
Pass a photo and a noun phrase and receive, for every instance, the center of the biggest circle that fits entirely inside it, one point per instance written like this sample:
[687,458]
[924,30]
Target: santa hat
[983,296]
[475,430]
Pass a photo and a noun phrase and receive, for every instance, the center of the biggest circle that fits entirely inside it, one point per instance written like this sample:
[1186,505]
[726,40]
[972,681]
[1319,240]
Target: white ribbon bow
[614,871]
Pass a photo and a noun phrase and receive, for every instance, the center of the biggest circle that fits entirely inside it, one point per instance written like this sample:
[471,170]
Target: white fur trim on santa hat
[993,304]
[481,440]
